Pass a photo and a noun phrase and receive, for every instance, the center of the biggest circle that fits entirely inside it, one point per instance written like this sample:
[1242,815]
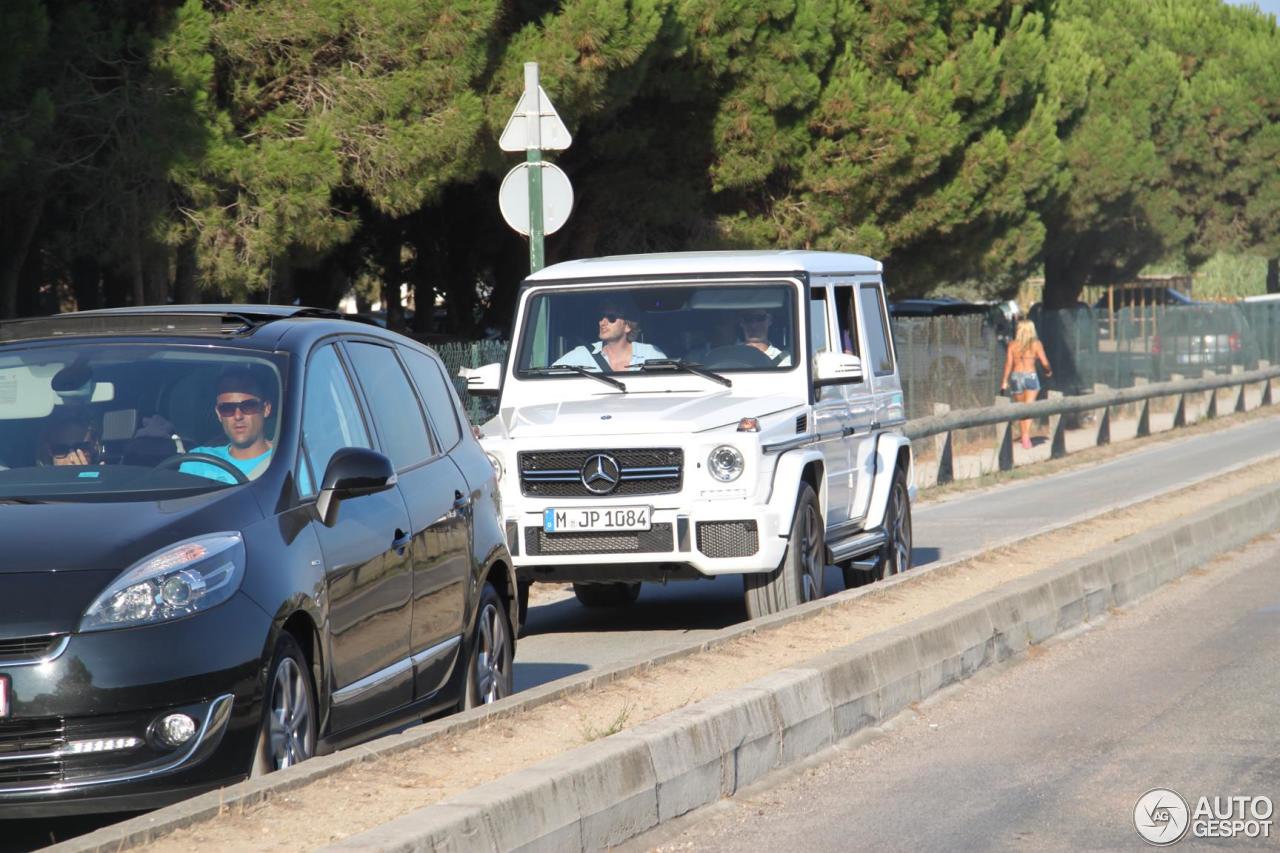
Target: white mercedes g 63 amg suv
[687,415]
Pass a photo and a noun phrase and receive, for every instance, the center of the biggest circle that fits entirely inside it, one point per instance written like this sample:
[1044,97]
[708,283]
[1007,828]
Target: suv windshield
[738,326]
[119,421]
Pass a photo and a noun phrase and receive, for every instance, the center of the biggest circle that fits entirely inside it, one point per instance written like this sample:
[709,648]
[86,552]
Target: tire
[895,555]
[799,577]
[606,594]
[522,605]
[287,735]
[490,654]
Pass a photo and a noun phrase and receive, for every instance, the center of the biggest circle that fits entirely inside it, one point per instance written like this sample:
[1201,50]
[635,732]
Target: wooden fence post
[1104,423]
[1004,438]
[1213,396]
[1180,413]
[1057,435]
[942,442]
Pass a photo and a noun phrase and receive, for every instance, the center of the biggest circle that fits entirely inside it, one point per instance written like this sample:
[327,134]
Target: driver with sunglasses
[617,348]
[242,408]
[755,333]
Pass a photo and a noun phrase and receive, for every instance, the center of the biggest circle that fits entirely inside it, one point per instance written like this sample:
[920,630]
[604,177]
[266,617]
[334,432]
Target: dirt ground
[373,793]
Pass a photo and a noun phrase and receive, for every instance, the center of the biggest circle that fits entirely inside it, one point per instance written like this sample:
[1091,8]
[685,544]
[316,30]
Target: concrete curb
[897,663]
[606,792]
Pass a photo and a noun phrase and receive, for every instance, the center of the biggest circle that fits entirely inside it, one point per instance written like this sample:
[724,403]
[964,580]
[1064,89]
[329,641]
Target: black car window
[439,399]
[396,413]
[872,304]
[330,417]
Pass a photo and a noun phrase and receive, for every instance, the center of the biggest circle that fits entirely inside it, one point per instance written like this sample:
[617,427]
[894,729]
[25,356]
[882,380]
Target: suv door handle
[400,542]
[461,501]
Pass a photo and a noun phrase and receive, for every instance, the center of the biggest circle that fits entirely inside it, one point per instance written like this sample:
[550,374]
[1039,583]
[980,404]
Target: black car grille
[26,648]
[728,538]
[558,473]
[655,540]
[24,748]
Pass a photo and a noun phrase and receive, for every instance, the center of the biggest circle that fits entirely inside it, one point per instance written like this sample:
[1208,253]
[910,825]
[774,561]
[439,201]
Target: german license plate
[4,696]
[596,519]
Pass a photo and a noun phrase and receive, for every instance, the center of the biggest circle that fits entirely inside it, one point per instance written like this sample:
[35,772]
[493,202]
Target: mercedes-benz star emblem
[601,474]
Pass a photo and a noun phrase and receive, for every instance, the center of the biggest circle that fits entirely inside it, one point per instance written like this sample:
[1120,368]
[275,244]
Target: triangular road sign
[555,136]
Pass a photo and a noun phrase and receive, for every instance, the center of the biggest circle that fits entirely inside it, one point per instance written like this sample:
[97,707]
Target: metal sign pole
[533,156]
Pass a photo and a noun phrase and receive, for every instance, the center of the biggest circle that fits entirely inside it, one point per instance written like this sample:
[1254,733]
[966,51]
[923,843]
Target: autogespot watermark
[1162,817]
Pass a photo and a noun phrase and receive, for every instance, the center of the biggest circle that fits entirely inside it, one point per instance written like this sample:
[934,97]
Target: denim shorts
[1019,382]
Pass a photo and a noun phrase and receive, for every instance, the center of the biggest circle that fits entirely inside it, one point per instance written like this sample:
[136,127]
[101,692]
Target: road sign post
[534,127]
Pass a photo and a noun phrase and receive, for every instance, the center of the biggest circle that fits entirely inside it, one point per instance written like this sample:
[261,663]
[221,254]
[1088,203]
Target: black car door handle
[461,501]
[400,542]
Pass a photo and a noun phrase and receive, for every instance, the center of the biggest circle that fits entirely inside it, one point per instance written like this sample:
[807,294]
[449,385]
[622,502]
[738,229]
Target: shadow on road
[528,675]
[19,836]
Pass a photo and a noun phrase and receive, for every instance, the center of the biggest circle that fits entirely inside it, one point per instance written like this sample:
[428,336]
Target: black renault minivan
[233,537]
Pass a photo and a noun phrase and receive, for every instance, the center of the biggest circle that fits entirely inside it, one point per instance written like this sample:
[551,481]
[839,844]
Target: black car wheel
[490,668]
[288,733]
[895,556]
[799,578]
[606,594]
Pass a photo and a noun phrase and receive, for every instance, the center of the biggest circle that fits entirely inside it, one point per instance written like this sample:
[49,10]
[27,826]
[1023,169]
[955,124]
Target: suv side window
[394,406]
[818,341]
[437,397]
[880,355]
[330,418]
[846,319]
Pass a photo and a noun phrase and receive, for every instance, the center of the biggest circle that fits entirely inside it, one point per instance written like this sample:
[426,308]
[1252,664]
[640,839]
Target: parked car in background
[178,615]
[756,430]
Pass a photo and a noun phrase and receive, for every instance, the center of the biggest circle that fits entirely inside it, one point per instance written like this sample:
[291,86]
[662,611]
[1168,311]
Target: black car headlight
[184,578]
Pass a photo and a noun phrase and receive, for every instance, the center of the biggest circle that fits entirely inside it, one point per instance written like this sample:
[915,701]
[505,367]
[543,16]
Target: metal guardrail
[1006,413]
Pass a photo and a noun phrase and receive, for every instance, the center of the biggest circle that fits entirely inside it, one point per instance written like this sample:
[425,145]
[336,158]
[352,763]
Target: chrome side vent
[802,424]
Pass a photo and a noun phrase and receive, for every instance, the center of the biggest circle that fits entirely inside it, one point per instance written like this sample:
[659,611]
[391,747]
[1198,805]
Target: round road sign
[557,197]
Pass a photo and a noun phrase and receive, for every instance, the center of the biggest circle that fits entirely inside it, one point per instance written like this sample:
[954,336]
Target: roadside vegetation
[252,149]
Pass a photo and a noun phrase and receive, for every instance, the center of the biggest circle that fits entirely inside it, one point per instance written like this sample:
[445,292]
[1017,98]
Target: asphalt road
[564,637]
[1054,751]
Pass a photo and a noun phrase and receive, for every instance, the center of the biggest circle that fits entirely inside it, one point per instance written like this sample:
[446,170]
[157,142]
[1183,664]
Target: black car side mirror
[352,472]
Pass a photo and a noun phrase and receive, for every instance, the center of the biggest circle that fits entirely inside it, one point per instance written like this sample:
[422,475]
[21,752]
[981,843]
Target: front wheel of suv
[606,594]
[799,578]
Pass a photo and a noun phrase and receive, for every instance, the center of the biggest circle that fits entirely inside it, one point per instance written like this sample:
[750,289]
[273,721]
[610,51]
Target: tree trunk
[392,244]
[16,258]
[86,277]
[186,290]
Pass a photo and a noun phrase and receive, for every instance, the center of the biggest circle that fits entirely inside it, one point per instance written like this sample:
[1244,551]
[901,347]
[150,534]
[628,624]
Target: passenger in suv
[191,628]
[770,456]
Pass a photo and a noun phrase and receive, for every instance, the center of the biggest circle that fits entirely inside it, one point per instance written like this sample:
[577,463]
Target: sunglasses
[754,318]
[611,316]
[251,406]
[67,449]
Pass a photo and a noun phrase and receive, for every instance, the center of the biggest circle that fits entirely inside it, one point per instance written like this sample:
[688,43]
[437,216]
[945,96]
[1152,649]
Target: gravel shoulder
[374,792]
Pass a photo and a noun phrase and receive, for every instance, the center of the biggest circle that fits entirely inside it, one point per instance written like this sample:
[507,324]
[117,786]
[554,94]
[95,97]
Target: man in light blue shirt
[617,348]
[242,408]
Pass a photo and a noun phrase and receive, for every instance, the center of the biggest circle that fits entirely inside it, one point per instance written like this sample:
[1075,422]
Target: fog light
[106,744]
[175,729]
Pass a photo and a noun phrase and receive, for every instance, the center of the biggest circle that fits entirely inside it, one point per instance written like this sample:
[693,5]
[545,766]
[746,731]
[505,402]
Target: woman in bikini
[1020,370]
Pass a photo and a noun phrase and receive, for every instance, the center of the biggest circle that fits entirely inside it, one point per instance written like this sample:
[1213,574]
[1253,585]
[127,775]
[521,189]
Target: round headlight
[725,463]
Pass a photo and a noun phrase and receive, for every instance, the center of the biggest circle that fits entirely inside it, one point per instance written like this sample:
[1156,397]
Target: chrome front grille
[720,539]
[27,648]
[28,750]
[657,539]
[642,471]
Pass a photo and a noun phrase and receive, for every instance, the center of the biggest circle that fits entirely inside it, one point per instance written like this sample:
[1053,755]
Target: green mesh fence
[952,360]
[472,354]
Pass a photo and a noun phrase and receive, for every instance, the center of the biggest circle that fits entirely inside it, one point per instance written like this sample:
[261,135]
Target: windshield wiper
[581,371]
[681,364]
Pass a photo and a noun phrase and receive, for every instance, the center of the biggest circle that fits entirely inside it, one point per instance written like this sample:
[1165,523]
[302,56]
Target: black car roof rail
[214,320]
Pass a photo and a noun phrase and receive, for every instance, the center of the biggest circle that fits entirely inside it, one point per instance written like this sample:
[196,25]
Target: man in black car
[242,407]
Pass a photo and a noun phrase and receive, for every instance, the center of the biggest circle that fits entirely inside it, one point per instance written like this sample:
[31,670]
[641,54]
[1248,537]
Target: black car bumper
[81,733]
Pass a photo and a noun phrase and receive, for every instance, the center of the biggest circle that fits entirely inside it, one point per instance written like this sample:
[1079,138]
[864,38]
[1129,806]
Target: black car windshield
[105,421]
[724,327]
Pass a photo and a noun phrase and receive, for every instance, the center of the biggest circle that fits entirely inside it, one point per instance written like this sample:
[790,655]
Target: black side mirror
[352,472]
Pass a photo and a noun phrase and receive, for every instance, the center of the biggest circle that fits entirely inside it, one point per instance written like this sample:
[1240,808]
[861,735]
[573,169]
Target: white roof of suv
[694,263]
